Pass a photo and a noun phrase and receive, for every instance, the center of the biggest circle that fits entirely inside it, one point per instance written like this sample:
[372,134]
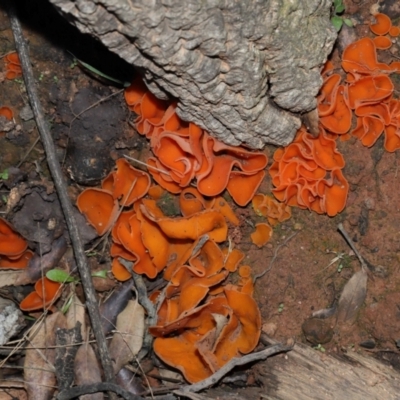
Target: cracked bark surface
[244,70]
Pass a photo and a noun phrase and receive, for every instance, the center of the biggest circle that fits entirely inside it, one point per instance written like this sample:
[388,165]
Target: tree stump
[244,70]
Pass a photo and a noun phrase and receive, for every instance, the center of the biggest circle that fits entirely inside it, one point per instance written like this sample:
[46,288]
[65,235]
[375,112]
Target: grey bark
[244,70]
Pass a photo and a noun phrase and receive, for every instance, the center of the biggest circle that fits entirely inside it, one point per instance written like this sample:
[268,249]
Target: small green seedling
[67,304]
[337,19]
[61,276]
[100,274]
[281,307]
[320,348]
[99,74]
[4,175]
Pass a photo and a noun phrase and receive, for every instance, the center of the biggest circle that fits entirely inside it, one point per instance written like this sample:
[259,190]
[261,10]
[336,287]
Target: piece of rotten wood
[305,373]
[61,188]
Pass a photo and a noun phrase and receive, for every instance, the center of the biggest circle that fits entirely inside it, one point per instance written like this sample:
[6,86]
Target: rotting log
[244,70]
[309,374]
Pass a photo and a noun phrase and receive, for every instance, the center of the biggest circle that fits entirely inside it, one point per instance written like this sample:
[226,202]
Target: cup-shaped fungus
[99,207]
[262,234]
[19,262]
[46,292]
[12,244]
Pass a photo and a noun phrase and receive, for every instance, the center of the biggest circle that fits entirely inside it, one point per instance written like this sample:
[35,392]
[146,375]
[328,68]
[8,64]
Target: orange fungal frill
[382,24]
[302,173]
[262,234]
[12,245]
[99,207]
[183,152]
[270,208]
[46,292]
[20,262]
[13,66]
[127,184]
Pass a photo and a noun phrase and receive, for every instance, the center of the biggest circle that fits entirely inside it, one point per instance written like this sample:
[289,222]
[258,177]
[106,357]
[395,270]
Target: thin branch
[61,188]
[77,391]
[235,362]
[261,274]
[351,244]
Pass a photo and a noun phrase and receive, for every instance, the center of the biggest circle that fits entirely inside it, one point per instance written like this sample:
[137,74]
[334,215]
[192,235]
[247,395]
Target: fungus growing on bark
[184,152]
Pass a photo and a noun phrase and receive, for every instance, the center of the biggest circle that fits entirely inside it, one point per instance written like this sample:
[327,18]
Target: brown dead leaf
[39,376]
[76,313]
[352,297]
[128,338]
[87,370]
[11,394]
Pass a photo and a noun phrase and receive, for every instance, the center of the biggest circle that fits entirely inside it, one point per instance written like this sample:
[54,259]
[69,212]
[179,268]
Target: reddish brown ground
[299,281]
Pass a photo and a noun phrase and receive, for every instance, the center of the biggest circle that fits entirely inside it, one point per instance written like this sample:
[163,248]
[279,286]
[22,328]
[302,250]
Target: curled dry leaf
[76,313]
[114,305]
[87,370]
[39,376]
[128,338]
[352,297]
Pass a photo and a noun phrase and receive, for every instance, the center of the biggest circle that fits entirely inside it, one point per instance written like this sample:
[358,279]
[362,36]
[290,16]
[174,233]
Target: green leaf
[4,174]
[67,305]
[339,9]
[348,22]
[60,276]
[337,3]
[100,274]
[337,22]
[95,71]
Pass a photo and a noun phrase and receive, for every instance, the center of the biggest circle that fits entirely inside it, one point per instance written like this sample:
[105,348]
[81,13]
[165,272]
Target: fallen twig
[261,274]
[214,378]
[191,396]
[61,188]
[351,244]
[77,391]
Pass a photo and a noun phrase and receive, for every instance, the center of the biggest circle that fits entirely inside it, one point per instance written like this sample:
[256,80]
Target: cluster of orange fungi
[14,254]
[199,315]
[13,66]
[183,152]
[307,173]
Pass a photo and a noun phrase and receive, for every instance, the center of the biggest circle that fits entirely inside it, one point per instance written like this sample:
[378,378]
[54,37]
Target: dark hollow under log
[244,70]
